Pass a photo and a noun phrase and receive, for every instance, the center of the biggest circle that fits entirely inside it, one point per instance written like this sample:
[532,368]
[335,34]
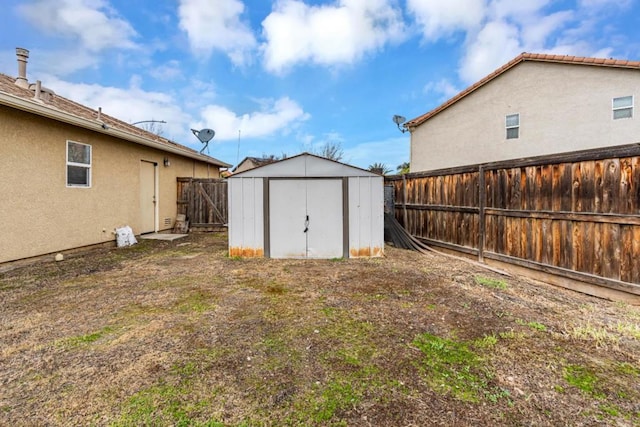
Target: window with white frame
[512,124]
[78,164]
[623,107]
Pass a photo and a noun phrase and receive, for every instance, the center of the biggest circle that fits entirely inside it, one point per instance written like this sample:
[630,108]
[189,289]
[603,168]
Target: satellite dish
[204,135]
[398,120]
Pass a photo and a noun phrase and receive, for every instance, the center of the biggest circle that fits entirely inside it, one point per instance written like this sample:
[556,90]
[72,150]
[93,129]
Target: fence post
[404,202]
[482,201]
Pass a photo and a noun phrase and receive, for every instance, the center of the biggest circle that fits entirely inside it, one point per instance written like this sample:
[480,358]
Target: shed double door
[306,218]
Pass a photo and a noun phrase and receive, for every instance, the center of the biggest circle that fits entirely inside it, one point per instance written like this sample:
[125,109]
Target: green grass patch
[325,402]
[533,325]
[611,410]
[87,339]
[491,283]
[452,368]
[337,395]
[583,379]
[172,401]
[487,341]
[163,404]
[511,335]
[631,330]
[628,369]
[329,311]
[196,302]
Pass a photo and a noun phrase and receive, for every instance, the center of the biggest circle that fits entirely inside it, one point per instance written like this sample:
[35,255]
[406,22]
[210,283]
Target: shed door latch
[306,224]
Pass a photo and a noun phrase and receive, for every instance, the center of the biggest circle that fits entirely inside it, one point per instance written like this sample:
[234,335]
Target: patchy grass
[86,339]
[533,325]
[582,378]
[452,368]
[491,283]
[178,333]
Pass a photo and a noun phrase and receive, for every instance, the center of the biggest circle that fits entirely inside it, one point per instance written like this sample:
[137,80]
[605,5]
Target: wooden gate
[204,202]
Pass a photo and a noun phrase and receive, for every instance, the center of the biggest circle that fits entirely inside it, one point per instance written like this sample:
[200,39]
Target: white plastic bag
[125,237]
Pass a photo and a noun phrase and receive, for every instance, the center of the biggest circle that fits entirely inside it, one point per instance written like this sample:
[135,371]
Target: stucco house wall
[563,107]
[41,212]
[43,215]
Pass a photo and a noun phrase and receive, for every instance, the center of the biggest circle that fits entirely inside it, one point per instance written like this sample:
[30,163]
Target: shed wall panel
[366,216]
[246,217]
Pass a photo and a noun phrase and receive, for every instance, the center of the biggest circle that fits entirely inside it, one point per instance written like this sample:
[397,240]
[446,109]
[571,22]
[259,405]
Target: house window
[513,126]
[78,164]
[623,107]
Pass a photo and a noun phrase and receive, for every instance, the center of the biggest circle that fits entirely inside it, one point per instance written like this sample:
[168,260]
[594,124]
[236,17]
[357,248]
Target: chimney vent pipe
[38,92]
[23,55]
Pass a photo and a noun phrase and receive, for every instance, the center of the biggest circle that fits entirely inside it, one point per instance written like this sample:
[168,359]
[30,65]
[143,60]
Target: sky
[288,76]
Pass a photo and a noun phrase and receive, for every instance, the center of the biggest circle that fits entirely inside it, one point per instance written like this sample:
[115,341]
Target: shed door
[147,197]
[306,218]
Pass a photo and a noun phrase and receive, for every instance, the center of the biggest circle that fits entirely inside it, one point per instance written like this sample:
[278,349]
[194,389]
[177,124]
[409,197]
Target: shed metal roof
[305,165]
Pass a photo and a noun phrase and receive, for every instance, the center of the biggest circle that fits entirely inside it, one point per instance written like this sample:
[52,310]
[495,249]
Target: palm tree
[403,168]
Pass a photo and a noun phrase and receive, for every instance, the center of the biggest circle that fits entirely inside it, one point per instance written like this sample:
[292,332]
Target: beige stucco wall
[42,215]
[562,108]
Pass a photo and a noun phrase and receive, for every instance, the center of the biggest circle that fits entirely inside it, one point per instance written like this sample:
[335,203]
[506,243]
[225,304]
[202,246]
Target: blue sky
[287,76]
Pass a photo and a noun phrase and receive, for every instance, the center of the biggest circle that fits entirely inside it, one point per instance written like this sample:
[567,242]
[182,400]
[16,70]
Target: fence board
[203,201]
[574,215]
[611,185]
[567,244]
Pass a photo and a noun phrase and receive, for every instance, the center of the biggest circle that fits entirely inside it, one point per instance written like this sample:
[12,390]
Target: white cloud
[535,34]
[496,31]
[443,87]
[517,10]
[497,43]
[437,18]
[277,116]
[216,25]
[510,29]
[328,34]
[168,71]
[92,22]
[130,105]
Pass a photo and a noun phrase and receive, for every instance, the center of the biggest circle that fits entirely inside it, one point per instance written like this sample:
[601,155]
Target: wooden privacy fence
[575,215]
[204,202]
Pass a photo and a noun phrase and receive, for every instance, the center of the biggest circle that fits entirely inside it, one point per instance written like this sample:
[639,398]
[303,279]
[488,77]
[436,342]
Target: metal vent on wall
[167,222]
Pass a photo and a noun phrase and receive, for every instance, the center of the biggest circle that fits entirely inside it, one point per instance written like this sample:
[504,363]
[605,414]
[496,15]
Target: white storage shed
[306,207]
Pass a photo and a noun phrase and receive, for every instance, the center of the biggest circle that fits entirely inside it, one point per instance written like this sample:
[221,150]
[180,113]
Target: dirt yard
[177,333]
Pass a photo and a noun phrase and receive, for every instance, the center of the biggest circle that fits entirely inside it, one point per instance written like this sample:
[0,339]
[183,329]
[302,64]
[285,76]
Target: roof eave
[96,126]
[523,57]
